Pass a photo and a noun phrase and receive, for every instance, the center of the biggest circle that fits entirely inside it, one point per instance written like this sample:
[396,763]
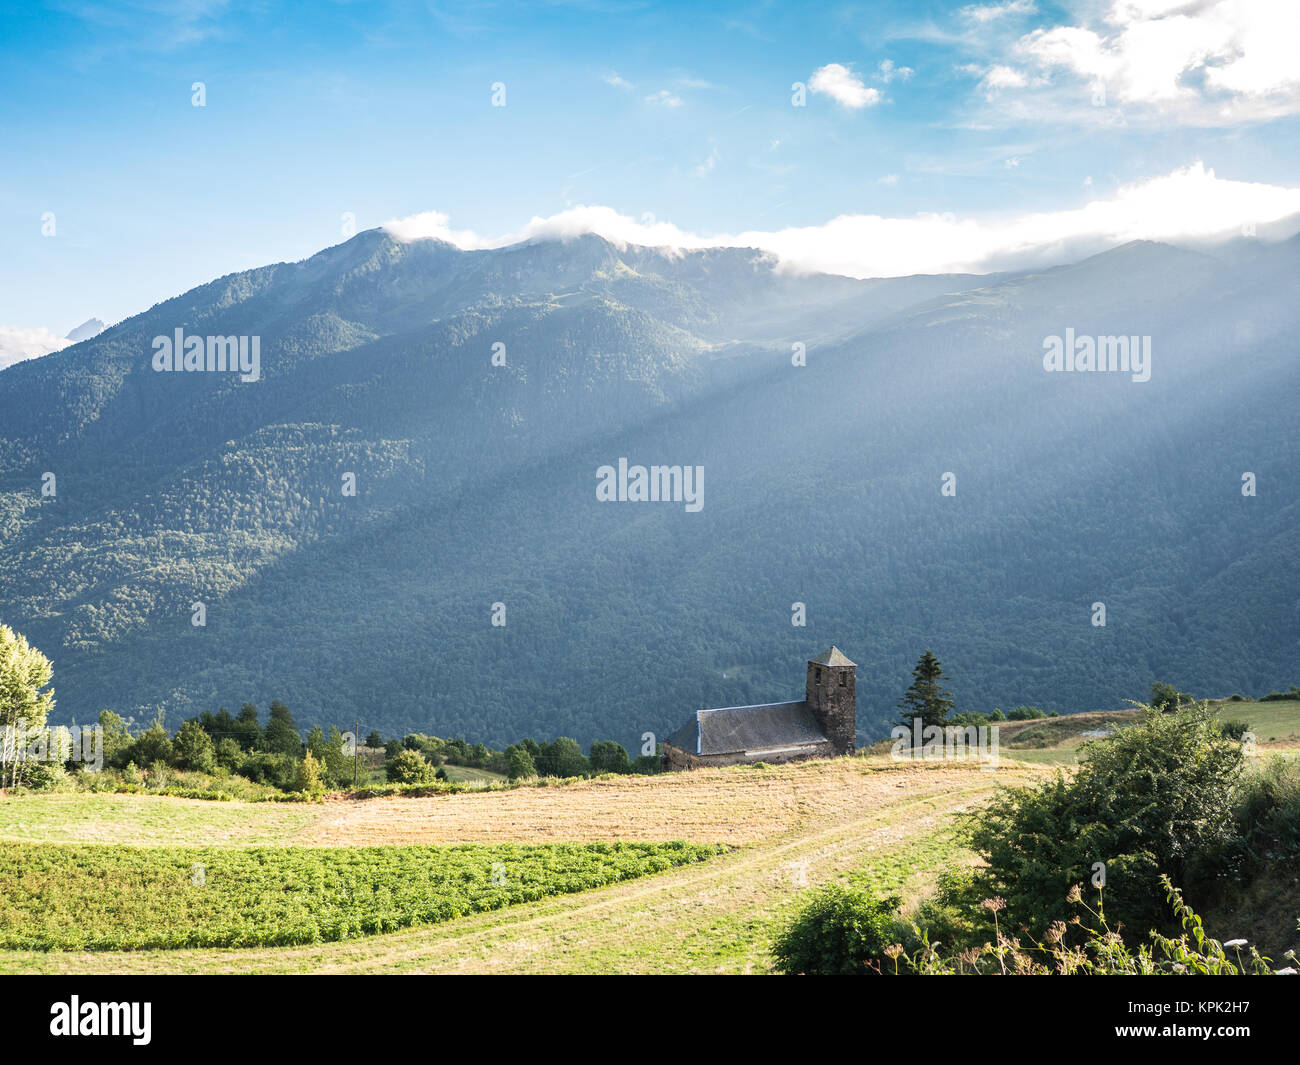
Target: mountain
[475,484]
[91,327]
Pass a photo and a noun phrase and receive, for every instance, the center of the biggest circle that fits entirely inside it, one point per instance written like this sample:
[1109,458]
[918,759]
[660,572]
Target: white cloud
[997,78]
[433,225]
[887,179]
[1012,163]
[1187,204]
[18,344]
[843,86]
[1201,60]
[707,166]
[989,12]
[612,78]
[664,98]
[888,71]
[1000,77]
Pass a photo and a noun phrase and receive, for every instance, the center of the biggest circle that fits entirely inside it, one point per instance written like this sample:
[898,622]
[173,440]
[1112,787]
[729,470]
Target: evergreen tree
[247,729]
[281,732]
[925,699]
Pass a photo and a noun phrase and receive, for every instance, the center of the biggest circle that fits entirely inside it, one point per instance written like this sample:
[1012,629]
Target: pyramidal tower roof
[833,657]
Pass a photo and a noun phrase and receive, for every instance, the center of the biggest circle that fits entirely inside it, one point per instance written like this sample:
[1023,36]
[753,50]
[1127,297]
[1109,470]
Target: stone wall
[674,758]
[835,704]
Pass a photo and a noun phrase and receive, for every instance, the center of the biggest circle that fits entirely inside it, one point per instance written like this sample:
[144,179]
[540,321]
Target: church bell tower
[832,698]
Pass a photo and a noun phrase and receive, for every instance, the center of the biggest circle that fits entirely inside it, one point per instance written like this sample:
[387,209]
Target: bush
[841,931]
[1150,799]
[263,767]
[408,767]
[1103,951]
[1025,713]
[1267,819]
[44,776]
[1234,729]
[307,779]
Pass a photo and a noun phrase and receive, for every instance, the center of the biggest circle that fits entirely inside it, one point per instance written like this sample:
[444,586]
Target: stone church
[824,723]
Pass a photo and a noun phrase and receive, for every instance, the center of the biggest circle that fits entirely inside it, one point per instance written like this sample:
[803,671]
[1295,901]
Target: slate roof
[833,657]
[733,729]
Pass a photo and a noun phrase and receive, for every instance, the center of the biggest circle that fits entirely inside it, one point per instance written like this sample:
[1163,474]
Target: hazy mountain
[91,327]
[476,484]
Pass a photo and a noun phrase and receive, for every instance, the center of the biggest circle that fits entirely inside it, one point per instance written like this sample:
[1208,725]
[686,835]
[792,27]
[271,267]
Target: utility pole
[356,752]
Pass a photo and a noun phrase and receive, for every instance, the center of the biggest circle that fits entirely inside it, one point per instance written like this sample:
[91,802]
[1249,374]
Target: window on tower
[844,680]
[819,676]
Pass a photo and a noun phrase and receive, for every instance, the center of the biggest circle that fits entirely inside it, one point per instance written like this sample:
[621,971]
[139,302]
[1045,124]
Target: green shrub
[1151,799]
[307,780]
[1102,952]
[840,931]
[408,767]
[1266,819]
[1234,728]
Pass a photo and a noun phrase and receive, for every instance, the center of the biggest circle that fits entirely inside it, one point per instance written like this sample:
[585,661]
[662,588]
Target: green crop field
[89,897]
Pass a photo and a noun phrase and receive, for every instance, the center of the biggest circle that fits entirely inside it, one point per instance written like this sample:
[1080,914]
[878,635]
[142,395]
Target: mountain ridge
[475,485]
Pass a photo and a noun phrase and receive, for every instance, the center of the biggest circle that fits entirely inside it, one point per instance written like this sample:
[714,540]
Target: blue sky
[963,133]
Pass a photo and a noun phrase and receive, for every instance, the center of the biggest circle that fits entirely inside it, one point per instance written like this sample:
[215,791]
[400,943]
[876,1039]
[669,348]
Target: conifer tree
[925,699]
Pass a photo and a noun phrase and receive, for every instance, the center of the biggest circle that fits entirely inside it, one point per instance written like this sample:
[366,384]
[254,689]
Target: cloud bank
[1189,204]
[18,344]
[1204,62]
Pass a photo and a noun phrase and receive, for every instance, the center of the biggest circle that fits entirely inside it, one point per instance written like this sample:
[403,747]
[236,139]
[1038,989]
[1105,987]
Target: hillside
[475,485]
[822,820]
[786,829]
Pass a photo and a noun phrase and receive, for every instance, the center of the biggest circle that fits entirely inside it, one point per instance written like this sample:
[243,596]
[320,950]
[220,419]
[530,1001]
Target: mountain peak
[91,327]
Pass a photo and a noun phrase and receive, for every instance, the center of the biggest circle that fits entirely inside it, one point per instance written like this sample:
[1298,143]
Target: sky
[151,146]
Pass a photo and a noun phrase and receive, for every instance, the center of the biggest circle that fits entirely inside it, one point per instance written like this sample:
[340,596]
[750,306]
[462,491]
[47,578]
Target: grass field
[793,827]
[1056,740]
[465,774]
[790,829]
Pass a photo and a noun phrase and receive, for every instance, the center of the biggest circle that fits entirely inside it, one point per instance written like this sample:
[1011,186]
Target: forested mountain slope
[475,484]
